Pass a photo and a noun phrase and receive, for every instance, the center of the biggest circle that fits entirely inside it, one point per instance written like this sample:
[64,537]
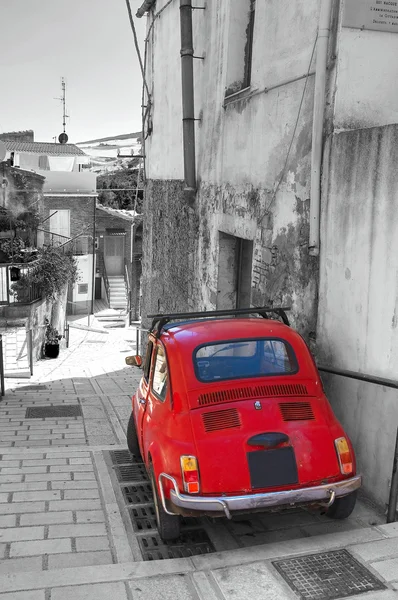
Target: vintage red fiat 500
[230,416]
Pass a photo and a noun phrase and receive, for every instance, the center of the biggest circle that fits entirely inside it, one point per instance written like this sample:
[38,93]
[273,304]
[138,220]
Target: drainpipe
[188,115]
[145,7]
[317,127]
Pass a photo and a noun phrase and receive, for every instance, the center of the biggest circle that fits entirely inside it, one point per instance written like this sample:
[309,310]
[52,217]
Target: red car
[231,417]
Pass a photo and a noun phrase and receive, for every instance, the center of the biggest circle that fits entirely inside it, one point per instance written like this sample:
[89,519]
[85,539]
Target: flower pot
[51,350]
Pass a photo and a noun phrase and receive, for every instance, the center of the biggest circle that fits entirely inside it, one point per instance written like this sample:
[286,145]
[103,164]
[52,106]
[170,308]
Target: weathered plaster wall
[241,149]
[366,89]
[358,295]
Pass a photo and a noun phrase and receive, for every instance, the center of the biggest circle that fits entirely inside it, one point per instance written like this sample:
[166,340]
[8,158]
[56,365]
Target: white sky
[90,43]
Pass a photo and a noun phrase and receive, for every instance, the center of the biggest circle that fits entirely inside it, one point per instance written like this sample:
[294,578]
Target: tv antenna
[63,138]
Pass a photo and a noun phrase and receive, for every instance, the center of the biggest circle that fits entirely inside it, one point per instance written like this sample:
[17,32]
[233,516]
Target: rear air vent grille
[242,393]
[296,411]
[221,419]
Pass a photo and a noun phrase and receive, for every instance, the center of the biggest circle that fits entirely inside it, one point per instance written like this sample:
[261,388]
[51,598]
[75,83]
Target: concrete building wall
[358,306]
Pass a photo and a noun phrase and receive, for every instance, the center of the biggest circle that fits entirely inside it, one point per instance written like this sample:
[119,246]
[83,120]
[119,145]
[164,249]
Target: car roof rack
[160,320]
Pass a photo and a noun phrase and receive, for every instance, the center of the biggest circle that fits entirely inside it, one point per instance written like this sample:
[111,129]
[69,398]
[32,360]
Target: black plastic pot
[51,350]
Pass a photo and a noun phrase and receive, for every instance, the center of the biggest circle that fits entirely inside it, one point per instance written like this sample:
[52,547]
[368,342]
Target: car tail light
[344,454]
[190,474]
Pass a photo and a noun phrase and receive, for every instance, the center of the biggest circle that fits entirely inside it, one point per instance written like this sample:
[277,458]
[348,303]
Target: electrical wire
[137,46]
[293,136]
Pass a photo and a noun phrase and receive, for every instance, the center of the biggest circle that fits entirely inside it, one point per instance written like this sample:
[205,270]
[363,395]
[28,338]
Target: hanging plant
[49,274]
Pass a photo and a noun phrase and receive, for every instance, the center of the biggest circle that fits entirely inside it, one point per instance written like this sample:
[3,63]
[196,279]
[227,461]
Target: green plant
[52,334]
[12,248]
[49,274]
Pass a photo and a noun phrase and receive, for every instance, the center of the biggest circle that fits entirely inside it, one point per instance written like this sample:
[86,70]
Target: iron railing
[104,276]
[7,297]
[129,290]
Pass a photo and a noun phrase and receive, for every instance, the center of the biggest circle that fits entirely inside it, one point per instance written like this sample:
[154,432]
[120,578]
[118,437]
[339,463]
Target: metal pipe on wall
[317,125]
[188,104]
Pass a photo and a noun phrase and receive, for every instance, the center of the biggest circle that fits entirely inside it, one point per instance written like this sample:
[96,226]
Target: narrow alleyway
[72,497]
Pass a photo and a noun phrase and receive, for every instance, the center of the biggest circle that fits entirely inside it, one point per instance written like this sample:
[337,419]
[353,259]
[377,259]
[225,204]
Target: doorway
[114,254]
[234,272]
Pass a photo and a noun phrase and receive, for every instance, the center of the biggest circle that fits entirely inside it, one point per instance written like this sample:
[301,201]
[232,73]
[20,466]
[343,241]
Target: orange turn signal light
[190,474]
[344,456]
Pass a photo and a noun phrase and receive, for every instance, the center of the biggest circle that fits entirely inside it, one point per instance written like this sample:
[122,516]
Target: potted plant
[51,341]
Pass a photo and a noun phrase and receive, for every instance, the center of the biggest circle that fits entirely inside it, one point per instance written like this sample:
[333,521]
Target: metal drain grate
[54,412]
[121,457]
[138,494]
[143,518]
[327,575]
[190,543]
[132,472]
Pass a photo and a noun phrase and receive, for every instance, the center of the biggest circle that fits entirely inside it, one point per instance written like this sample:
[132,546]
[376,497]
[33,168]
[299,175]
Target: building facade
[293,200]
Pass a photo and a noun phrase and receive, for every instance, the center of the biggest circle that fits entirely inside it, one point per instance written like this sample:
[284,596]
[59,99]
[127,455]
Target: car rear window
[244,358]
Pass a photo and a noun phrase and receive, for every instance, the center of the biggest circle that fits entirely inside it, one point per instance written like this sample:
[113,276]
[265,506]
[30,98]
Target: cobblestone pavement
[65,526]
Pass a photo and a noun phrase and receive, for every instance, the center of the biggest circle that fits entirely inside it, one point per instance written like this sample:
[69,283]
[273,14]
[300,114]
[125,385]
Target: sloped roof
[129,215]
[44,148]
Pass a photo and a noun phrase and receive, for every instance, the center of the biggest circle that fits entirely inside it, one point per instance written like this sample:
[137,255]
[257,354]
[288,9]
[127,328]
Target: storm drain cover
[54,412]
[120,457]
[140,493]
[190,543]
[132,472]
[327,575]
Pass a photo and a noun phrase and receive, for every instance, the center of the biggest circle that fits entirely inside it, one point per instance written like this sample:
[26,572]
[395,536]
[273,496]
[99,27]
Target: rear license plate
[271,468]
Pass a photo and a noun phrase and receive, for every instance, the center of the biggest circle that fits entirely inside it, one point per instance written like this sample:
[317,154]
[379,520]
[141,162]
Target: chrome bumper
[322,494]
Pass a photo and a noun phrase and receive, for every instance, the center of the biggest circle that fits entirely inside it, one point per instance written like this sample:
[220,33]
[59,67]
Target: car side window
[159,381]
[147,362]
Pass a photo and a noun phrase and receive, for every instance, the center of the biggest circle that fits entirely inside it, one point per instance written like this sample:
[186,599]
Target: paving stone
[19,487]
[169,587]
[10,478]
[32,443]
[34,548]
[2,550]
[74,468]
[9,463]
[81,476]
[48,477]
[86,544]
[21,533]
[47,518]
[79,461]
[75,505]
[70,454]
[67,443]
[387,569]
[46,436]
[79,530]
[249,581]
[33,595]
[377,550]
[90,516]
[20,565]
[25,470]
[22,507]
[8,520]
[74,485]
[26,496]
[3,498]
[81,494]
[96,591]
[79,559]
[45,461]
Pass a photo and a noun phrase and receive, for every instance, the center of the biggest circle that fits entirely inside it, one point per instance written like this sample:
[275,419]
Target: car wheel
[169,526]
[342,507]
[132,439]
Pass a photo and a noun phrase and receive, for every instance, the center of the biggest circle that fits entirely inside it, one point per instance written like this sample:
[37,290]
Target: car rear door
[141,395]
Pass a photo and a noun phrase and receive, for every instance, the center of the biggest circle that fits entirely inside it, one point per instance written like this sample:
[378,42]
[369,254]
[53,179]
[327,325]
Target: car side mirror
[134,361]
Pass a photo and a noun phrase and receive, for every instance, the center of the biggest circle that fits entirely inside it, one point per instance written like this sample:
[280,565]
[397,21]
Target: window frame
[155,356]
[248,56]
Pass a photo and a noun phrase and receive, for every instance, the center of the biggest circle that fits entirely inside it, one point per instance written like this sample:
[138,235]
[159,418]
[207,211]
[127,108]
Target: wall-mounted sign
[379,15]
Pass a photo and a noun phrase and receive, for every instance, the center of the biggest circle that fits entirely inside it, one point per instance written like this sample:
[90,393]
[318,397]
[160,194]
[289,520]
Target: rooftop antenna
[63,137]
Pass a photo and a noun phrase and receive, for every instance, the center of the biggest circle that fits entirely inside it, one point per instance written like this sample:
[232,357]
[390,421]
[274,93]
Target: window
[240,45]
[244,358]
[159,383]
[147,362]
[82,288]
[249,46]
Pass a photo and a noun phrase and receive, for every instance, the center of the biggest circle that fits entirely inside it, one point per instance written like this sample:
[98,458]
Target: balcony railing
[7,297]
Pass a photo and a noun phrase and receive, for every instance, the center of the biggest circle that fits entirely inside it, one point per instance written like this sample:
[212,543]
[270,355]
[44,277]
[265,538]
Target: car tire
[169,526]
[342,507]
[132,438]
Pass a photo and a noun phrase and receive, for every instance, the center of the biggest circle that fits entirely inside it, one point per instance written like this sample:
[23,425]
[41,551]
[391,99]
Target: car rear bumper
[321,494]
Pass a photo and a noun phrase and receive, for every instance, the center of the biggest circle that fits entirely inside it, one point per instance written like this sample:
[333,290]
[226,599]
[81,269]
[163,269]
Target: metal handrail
[106,281]
[129,290]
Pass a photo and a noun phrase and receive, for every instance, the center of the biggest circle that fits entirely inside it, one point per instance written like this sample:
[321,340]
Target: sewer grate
[138,494]
[120,457]
[327,575]
[143,518]
[47,412]
[190,543]
[132,472]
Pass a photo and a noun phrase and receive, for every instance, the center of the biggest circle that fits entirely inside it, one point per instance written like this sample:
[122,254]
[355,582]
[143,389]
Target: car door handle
[142,400]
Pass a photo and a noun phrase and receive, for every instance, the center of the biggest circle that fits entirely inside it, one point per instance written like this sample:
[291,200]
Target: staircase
[117,293]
